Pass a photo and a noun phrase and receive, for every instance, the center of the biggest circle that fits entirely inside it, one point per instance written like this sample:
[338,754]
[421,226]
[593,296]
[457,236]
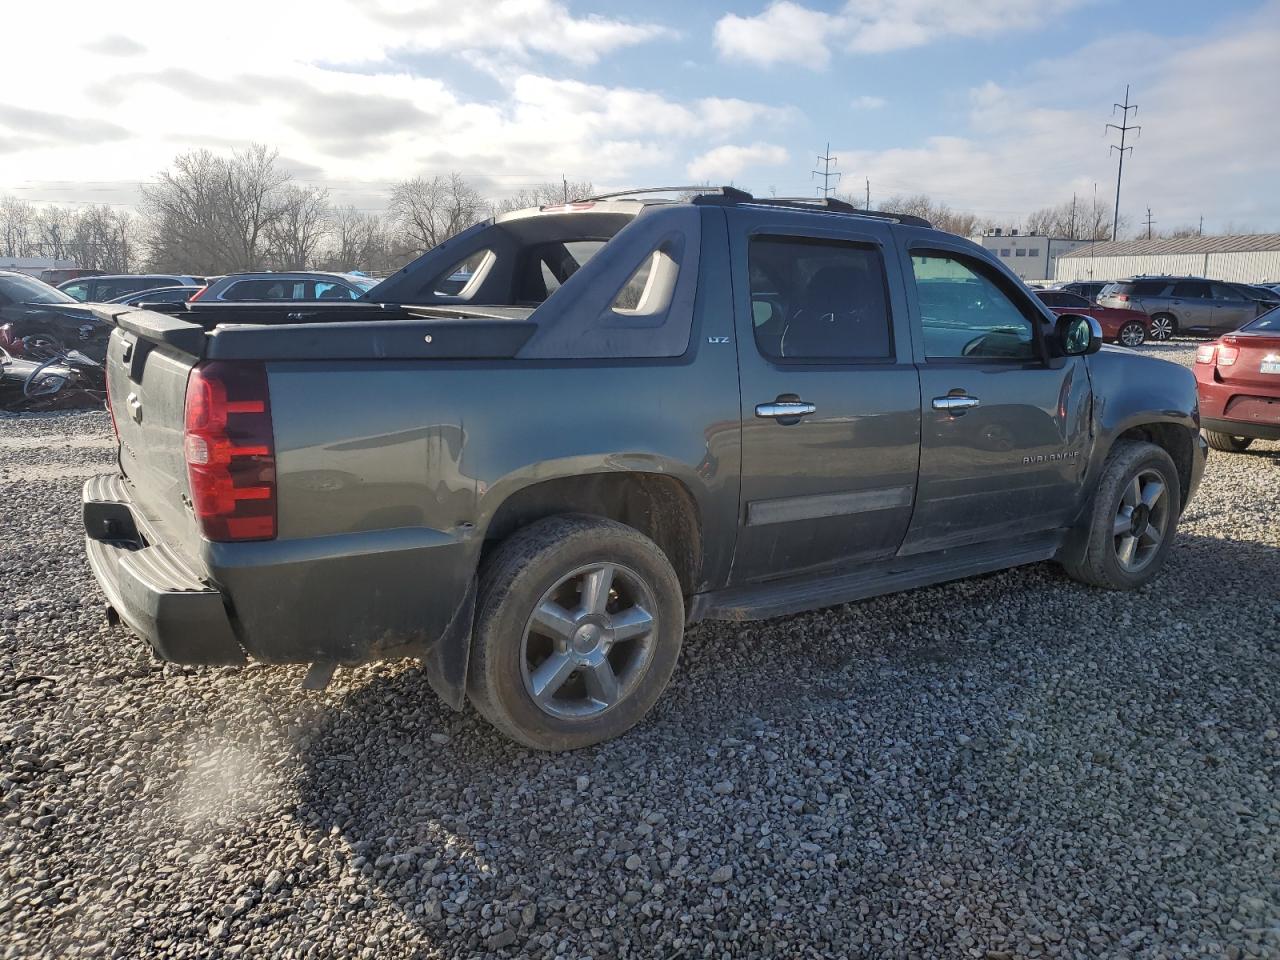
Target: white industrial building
[1253,258]
[33,265]
[1030,256]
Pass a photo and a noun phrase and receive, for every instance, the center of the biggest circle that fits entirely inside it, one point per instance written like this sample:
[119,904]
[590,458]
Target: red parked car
[1127,327]
[1238,381]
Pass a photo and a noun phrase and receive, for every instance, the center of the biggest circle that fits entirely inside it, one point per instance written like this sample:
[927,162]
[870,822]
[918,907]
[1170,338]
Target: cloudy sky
[995,106]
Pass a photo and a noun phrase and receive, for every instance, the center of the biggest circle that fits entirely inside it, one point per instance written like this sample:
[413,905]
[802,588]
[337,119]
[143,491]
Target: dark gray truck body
[410,439]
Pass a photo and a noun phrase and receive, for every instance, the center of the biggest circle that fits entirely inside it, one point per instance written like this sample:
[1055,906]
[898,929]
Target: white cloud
[786,32]
[339,100]
[512,27]
[724,163]
[868,102]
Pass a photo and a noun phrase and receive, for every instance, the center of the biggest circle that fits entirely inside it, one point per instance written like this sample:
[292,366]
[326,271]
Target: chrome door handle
[782,409]
[955,404]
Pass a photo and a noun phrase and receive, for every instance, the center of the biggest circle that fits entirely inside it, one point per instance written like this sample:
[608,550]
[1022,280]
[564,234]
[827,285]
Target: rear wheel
[1132,520]
[1164,326]
[578,629]
[1226,442]
[1133,334]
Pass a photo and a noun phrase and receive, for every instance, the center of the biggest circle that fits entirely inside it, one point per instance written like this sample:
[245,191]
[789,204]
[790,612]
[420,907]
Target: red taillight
[1224,353]
[230,451]
[198,294]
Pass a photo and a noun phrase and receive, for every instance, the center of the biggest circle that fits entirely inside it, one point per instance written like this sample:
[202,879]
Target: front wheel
[1226,442]
[579,623]
[1163,326]
[1133,334]
[1132,520]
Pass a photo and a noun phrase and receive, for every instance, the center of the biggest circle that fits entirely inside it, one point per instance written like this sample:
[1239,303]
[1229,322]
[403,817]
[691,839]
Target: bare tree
[104,239]
[17,227]
[212,214]
[358,241]
[431,211]
[939,214]
[544,194]
[294,238]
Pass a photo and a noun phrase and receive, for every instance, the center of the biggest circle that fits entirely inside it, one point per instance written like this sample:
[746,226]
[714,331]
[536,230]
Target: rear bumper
[1242,428]
[150,587]
[344,599]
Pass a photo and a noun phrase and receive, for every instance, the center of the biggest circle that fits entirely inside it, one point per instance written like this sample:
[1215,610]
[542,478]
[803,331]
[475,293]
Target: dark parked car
[1184,304]
[40,319]
[1089,289]
[307,285]
[632,416]
[105,288]
[1238,378]
[180,294]
[1119,326]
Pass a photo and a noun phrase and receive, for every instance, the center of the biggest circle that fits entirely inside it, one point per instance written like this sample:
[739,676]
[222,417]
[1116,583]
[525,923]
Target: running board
[785,597]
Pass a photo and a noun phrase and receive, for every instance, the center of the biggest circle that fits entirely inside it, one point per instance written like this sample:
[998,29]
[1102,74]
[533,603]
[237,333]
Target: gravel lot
[1014,766]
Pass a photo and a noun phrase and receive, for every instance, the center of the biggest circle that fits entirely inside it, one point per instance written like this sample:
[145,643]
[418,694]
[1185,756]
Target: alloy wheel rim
[1132,335]
[589,641]
[1161,329]
[1141,522]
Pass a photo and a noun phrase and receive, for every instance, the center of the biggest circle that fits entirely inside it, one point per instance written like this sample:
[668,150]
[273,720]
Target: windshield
[1269,322]
[22,289]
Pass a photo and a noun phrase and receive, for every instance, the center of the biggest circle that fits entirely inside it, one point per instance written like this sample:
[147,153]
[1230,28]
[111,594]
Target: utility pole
[1124,127]
[565,182]
[1073,217]
[868,207]
[1200,232]
[825,173]
[1149,223]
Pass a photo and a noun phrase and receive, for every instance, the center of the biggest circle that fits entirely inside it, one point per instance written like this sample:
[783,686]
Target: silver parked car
[299,285]
[1191,305]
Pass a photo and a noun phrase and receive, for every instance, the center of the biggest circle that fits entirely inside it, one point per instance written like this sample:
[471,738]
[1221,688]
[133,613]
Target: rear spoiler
[415,337]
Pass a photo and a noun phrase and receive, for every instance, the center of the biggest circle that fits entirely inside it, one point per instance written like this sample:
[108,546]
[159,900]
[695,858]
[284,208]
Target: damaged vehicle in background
[41,320]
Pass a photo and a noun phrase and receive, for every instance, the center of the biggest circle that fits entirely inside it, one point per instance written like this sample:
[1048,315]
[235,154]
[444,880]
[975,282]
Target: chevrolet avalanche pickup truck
[562,436]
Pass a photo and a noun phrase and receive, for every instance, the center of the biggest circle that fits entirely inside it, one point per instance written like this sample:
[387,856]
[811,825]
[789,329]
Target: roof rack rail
[703,188]
[731,195]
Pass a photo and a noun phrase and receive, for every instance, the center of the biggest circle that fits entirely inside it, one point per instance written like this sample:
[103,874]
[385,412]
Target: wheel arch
[1175,440]
[659,505]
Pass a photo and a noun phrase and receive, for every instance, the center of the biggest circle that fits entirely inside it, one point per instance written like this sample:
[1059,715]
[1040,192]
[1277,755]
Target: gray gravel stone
[1012,766]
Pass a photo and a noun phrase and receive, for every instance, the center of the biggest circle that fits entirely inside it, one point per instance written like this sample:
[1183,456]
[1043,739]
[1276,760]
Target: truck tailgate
[147,385]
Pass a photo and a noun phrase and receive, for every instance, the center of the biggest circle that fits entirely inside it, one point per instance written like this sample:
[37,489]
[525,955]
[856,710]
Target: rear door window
[819,300]
[1191,290]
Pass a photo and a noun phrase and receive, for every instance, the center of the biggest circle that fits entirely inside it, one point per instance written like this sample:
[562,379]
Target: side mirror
[1078,335]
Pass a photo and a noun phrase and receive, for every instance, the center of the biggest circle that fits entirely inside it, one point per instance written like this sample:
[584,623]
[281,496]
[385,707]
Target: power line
[825,173]
[1124,127]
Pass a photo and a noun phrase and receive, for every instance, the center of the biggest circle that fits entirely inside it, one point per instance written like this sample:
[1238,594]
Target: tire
[1132,334]
[1226,442]
[1164,326]
[558,564]
[1098,557]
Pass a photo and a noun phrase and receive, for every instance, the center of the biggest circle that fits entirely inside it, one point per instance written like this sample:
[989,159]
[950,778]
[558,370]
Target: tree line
[213,214]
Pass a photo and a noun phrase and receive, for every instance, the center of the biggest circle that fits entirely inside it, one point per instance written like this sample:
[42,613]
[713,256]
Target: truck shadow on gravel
[817,723]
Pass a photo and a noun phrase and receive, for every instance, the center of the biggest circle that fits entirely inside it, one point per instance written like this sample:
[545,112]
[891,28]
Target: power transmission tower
[825,173]
[1149,223]
[1124,127]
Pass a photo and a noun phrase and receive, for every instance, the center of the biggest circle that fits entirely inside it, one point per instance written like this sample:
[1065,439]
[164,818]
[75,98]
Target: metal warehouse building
[1246,259]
